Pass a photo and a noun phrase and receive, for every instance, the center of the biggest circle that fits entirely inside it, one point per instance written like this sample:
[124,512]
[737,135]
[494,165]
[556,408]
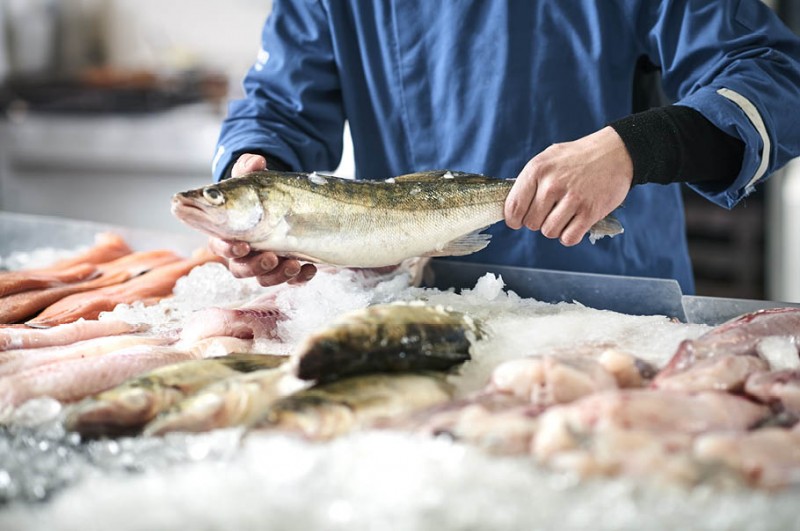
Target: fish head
[231,210]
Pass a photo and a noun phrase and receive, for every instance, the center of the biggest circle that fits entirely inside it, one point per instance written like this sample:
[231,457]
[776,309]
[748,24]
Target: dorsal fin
[438,175]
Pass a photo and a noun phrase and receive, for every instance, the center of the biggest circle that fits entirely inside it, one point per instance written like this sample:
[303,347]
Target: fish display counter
[516,398]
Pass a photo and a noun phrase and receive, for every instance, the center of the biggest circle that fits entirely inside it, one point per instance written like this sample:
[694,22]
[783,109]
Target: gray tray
[630,295]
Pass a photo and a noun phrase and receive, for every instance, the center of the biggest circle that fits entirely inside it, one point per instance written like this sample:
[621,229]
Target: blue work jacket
[483,86]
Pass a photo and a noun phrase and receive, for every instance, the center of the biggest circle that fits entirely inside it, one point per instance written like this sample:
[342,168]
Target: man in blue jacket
[483,86]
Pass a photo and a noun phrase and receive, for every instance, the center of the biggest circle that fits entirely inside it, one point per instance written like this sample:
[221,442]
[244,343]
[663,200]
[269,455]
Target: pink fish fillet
[766,458]
[12,282]
[256,320]
[561,427]
[77,378]
[24,337]
[154,284]
[776,388]
[15,361]
[22,305]
[737,337]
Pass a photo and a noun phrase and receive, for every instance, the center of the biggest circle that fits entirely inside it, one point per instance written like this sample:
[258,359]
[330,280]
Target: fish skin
[238,400]
[125,409]
[387,338]
[328,410]
[353,223]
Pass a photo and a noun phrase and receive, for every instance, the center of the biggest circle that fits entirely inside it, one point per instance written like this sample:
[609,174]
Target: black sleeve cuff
[678,144]
[272,163]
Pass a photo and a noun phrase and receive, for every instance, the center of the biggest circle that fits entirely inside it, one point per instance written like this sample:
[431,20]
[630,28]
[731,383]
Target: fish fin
[438,175]
[467,244]
[608,226]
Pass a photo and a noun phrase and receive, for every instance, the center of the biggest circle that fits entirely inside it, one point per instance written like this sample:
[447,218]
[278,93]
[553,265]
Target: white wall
[158,34]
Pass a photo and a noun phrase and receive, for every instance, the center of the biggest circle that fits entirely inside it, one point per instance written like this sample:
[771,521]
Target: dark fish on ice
[354,223]
[387,338]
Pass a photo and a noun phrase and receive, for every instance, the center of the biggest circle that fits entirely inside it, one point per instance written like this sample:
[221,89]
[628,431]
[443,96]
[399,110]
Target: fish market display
[354,223]
[328,410]
[523,408]
[129,406]
[390,337]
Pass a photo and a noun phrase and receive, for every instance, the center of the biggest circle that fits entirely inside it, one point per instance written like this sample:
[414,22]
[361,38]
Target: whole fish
[387,338]
[328,410]
[129,406]
[238,400]
[353,223]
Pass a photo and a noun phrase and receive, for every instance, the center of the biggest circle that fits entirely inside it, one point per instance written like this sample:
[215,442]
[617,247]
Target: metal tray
[630,295]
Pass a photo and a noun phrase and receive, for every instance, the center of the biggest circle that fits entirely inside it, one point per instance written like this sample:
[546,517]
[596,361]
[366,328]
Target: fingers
[227,248]
[247,163]
[519,199]
[287,270]
[255,264]
[575,230]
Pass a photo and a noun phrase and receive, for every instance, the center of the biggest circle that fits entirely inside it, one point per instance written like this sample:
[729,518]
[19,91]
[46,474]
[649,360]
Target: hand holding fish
[568,187]
[266,266]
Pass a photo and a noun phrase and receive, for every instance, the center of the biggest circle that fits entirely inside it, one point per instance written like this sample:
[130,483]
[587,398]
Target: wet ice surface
[371,480]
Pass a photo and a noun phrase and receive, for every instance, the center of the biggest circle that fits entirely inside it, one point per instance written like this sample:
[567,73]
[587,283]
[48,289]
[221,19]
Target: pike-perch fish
[387,338]
[329,410]
[354,223]
[128,407]
[238,400]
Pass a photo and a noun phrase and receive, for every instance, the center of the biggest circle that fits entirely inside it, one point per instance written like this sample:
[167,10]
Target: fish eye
[213,196]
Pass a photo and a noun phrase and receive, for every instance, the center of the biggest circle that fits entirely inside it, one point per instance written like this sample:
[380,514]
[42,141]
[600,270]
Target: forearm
[678,144]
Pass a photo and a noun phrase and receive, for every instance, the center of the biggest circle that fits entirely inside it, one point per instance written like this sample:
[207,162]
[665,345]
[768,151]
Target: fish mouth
[198,215]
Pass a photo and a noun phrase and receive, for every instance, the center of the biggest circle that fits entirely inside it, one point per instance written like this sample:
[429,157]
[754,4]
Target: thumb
[247,163]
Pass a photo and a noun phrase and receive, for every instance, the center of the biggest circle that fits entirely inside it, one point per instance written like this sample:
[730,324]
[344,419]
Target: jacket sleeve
[292,108]
[739,66]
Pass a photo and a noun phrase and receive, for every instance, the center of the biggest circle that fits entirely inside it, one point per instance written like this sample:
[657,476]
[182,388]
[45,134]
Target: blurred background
[111,106]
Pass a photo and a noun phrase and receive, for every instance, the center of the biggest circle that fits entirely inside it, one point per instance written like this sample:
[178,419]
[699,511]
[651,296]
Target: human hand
[268,268]
[569,187]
